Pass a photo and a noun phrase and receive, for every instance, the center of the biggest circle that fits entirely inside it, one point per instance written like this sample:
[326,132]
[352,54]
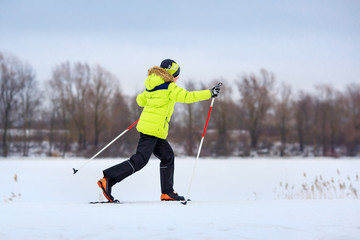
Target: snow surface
[231,199]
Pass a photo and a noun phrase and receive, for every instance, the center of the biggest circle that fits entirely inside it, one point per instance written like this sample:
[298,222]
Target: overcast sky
[304,43]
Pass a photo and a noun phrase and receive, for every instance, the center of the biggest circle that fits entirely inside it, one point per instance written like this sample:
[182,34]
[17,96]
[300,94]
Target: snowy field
[231,199]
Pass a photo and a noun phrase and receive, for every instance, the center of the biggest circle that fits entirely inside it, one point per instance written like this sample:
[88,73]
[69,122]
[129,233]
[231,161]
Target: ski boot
[172,196]
[104,185]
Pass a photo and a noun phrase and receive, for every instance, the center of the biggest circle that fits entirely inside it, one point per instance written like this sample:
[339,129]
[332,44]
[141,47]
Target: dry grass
[13,196]
[320,188]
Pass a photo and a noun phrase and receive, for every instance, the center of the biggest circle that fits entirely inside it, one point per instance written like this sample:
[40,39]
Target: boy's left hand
[215,91]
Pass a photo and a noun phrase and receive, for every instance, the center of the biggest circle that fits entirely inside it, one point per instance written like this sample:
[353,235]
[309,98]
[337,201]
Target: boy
[158,101]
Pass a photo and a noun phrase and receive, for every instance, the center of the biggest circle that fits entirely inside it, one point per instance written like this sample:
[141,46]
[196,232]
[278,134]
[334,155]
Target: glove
[215,91]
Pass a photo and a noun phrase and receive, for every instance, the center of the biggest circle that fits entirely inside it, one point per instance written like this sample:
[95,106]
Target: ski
[104,202]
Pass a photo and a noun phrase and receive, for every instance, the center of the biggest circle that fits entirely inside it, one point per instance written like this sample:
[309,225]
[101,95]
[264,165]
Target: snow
[231,199]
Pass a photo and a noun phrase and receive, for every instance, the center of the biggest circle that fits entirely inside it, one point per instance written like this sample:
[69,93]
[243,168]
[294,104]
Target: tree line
[81,108]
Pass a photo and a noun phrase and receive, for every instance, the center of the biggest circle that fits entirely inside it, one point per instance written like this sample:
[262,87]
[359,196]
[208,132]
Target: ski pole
[76,170]
[198,153]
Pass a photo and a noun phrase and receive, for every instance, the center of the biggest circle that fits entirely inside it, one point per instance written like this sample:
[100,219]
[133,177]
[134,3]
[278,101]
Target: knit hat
[171,67]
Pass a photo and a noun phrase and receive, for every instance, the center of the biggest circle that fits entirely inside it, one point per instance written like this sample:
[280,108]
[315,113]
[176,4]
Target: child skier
[158,101]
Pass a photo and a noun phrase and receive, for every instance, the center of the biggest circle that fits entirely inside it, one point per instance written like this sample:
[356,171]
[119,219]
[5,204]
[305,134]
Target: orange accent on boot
[102,184]
[165,197]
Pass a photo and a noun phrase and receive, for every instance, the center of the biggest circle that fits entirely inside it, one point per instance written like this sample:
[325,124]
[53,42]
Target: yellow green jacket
[159,100]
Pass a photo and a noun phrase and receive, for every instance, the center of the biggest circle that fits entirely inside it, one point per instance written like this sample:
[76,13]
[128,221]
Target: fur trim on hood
[161,73]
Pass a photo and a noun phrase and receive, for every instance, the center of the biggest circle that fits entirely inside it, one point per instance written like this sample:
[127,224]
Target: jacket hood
[157,76]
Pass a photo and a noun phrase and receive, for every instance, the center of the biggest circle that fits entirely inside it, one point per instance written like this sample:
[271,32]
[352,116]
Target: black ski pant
[146,146]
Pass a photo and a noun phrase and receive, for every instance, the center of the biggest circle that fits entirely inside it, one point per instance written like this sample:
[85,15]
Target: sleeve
[179,94]
[141,99]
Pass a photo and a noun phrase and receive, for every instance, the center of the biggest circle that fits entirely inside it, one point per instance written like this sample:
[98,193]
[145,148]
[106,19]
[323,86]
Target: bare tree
[53,118]
[72,83]
[78,89]
[352,123]
[59,105]
[329,118]
[303,114]
[11,84]
[283,115]
[224,120]
[337,111]
[120,118]
[99,99]
[256,99]
[29,104]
